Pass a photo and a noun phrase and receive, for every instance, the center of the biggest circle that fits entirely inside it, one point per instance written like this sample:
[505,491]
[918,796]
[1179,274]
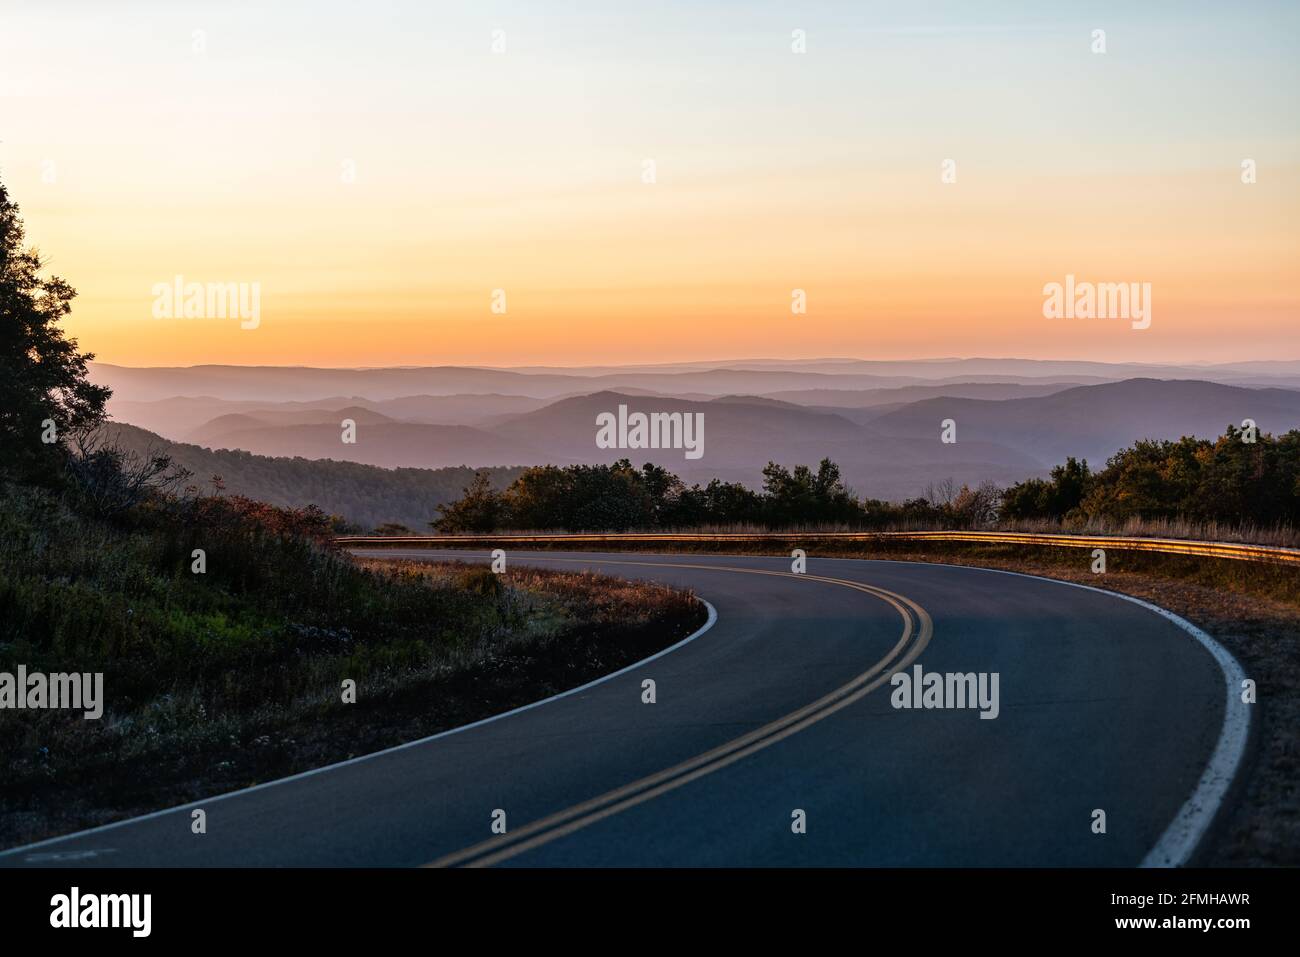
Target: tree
[480,509]
[665,491]
[807,497]
[976,507]
[542,497]
[941,495]
[45,395]
[610,498]
[105,478]
[1054,498]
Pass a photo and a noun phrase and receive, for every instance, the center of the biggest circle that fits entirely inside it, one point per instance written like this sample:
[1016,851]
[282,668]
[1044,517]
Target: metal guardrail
[1170,546]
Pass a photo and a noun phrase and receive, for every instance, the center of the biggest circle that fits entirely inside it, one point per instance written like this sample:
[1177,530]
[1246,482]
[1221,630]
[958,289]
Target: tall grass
[263,639]
[78,594]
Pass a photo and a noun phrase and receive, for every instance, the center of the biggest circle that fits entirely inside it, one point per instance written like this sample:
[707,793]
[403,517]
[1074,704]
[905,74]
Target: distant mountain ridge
[289,383]
[886,439]
[1096,421]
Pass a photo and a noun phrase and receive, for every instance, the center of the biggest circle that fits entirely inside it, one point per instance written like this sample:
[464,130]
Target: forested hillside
[365,495]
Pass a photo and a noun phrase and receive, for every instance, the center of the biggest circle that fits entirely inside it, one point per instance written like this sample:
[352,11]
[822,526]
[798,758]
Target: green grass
[82,595]
[216,680]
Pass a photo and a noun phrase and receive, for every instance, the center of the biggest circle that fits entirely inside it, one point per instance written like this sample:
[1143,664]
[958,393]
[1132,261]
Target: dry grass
[1281,535]
[546,631]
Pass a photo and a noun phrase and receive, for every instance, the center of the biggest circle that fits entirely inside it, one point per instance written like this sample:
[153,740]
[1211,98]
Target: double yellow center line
[917,628]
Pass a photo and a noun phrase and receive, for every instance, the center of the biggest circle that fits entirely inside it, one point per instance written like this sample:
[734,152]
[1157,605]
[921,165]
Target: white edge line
[1174,848]
[1185,832]
[1183,835]
[1188,828]
[712,619]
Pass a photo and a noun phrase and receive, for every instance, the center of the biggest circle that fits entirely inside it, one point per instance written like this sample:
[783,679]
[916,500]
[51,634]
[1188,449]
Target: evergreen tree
[45,394]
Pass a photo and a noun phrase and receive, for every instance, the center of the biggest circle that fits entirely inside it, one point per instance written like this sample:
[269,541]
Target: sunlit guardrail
[1169,546]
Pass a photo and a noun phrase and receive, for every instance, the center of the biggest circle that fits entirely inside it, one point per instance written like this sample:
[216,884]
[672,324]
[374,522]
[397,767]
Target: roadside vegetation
[218,680]
[229,630]
[1223,489]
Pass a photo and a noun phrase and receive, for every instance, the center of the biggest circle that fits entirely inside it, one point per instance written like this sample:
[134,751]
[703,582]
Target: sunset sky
[140,149]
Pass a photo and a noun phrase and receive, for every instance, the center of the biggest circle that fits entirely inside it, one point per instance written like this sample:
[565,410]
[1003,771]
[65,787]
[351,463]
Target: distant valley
[879,421]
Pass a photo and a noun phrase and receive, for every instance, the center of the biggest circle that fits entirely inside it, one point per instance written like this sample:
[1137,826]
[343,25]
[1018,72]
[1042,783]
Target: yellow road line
[579,816]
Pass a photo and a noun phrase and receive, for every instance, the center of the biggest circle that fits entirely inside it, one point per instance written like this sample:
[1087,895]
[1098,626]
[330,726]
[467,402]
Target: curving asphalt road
[781,704]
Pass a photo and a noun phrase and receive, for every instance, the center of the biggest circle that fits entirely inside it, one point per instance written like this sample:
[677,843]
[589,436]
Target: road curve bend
[774,739]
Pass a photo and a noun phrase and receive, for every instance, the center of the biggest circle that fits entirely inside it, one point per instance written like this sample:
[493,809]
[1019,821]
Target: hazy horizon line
[718,363]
